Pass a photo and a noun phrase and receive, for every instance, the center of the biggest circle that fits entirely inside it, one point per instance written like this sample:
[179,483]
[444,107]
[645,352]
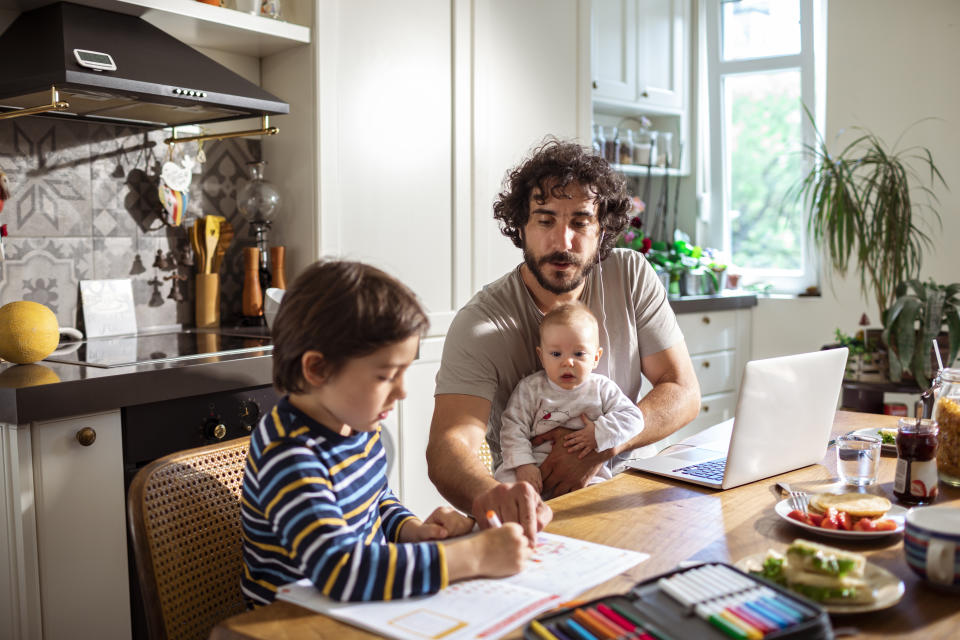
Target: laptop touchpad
[694,455]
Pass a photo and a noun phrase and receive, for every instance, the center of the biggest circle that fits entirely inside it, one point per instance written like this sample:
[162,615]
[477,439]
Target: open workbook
[559,569]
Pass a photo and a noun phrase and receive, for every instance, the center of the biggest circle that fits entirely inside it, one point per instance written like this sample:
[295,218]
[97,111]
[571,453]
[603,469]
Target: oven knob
[214,429]
[249,414]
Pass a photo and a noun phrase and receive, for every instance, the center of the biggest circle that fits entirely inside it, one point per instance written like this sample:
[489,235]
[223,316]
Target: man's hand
[530,473]
[563,471]
[514,502]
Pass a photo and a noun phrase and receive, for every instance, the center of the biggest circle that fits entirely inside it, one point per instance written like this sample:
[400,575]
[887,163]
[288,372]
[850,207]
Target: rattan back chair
[183,511]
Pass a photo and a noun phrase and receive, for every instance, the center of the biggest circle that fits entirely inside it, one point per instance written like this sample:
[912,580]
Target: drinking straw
[936,352]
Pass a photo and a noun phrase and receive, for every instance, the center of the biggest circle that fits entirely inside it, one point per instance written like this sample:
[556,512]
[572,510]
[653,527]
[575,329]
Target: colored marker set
[711,600]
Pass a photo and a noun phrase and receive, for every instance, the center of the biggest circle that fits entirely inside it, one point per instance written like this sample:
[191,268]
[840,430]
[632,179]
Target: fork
[799,500]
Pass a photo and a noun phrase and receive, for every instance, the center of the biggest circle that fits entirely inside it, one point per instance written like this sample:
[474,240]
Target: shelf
[641,170]
[624,108]
[200,25]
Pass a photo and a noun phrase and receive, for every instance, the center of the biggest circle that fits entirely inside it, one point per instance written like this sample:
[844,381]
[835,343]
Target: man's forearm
[458,473]
[668,407]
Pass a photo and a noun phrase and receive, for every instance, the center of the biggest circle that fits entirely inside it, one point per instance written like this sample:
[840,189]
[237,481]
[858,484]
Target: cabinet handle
[705,319]
[86,436]
[594,83]
[645,94]
[705,408]
[706,364]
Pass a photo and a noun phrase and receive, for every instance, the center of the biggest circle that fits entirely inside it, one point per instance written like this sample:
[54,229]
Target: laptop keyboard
[712,470]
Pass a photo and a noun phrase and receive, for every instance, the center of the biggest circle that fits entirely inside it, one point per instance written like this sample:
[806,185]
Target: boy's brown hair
[344,310]
[570,313]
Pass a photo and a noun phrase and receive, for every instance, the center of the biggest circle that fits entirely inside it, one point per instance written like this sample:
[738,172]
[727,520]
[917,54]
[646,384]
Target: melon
[19,376]
[28,332]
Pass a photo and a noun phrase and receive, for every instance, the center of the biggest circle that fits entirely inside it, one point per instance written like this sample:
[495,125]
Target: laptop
[783,420]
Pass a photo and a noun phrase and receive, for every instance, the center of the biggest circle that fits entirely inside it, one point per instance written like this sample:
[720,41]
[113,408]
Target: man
[564,207]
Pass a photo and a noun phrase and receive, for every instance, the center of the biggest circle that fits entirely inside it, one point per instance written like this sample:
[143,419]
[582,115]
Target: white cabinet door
[81,529]
[613,45]
[662,52]
[415,412]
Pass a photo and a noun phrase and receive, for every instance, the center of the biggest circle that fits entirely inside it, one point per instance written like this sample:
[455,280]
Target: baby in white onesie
[565,393]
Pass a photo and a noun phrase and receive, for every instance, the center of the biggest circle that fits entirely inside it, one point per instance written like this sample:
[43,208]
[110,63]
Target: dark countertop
[728,299]
[51,390]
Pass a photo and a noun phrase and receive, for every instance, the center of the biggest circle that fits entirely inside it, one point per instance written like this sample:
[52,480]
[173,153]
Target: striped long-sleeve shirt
[316,505]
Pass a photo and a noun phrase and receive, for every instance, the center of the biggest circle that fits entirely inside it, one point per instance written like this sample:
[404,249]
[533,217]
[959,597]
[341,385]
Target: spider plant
[915,318]
[862,209]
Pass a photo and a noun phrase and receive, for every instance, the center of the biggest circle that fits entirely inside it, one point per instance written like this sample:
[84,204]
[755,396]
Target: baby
[565,393]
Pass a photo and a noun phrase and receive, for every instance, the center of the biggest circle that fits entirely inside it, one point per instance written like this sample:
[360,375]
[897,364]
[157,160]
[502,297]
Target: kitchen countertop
[51,390]
[726,300]
[76,390]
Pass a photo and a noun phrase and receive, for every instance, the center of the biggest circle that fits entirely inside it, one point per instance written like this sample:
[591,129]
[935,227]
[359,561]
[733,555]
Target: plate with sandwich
[888,437]
[846,515]
[840,581]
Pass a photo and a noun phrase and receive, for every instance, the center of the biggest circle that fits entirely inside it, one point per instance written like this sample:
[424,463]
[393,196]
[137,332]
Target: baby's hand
[530,473]
[583,441]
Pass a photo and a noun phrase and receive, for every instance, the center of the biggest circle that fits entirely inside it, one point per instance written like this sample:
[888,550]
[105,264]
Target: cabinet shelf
[632,109]
[201,25]
[641,170]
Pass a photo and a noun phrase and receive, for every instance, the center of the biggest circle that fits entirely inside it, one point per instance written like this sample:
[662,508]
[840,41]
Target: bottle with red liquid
[916,478]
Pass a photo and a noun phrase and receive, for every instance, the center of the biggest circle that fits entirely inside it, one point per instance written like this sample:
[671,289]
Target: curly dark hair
[344,310]
[564,162]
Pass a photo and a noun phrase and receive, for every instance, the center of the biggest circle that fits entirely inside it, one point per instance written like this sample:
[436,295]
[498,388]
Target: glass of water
[858,459]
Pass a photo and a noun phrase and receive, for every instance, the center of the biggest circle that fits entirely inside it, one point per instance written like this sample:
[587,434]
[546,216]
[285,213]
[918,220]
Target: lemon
[19,376]
[28,332]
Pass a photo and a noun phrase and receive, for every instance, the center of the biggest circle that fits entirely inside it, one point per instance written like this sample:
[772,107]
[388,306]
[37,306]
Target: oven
[151,431]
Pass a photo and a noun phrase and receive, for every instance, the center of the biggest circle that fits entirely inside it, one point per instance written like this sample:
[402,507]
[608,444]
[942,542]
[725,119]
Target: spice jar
[611,146]
[946,411]
[916,479]
[625,153]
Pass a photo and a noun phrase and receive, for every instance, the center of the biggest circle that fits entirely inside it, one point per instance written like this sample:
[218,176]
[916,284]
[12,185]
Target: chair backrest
[484,454]
[184,518]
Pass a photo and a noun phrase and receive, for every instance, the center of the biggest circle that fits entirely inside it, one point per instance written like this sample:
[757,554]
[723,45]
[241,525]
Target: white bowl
[271,304]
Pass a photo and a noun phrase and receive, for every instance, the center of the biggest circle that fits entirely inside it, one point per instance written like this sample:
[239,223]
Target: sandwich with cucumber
[821,573]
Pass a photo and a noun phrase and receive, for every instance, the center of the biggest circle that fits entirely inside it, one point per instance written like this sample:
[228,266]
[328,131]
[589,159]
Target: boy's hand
[443,523]
[493,553]
[530,473]
[583,441]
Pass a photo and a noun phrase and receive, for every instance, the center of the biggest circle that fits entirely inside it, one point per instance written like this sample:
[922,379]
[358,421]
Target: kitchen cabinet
[719,345]
[65,527]
[640,54]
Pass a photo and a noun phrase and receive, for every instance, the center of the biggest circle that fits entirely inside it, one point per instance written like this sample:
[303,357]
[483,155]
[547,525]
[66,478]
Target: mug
[931,542]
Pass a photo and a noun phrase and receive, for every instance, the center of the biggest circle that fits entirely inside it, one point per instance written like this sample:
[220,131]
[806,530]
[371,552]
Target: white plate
[875,432]
[896,513]
[887,588]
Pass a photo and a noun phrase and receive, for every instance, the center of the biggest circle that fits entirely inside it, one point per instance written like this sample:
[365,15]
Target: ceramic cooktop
[170,346]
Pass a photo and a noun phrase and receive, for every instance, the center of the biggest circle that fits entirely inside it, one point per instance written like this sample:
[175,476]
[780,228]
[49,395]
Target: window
[760,72]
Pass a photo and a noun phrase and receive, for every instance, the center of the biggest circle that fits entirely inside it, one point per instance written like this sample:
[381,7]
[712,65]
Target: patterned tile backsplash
[84,206]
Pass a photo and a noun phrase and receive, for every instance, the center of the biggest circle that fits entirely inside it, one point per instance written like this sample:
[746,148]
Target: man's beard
[581,271]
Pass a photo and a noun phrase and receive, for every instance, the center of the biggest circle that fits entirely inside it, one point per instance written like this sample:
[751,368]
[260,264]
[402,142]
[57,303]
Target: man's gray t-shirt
[491,344]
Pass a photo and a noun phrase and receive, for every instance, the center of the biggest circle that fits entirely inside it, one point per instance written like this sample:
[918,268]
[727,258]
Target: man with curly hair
[564,207]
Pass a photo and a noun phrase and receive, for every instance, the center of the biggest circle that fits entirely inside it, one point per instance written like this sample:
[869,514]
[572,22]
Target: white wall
[889,64]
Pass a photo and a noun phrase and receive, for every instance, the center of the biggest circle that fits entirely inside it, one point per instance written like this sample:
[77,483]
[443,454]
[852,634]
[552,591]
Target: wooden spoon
[211,235]
[226,237]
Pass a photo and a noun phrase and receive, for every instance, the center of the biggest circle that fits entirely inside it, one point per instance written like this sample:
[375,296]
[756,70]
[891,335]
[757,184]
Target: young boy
[315,498]
[565,393]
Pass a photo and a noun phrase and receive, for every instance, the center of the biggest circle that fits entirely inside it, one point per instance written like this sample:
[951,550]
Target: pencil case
[721,602]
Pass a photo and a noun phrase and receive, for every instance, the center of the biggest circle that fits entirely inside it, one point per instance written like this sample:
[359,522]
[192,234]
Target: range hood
[157,81]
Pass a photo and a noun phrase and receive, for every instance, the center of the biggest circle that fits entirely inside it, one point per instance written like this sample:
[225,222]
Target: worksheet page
[559,569]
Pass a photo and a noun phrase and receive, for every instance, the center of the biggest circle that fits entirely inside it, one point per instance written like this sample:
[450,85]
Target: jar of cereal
[946,411]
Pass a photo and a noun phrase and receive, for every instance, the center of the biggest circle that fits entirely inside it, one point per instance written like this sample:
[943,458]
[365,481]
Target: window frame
[810,63]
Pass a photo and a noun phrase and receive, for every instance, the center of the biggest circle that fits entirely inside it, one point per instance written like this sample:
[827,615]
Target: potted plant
[862,209]
[915,319]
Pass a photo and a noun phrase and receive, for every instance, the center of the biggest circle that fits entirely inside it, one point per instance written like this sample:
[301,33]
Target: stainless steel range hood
[158,80]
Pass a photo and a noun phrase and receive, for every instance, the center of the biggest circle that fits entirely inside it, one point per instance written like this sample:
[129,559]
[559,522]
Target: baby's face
[569,353]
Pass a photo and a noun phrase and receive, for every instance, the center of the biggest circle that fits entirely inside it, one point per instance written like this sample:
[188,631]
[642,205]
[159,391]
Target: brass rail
[55,105]
[264,130]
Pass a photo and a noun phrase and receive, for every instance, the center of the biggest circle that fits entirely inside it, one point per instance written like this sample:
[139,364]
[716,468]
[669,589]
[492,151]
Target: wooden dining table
[676,522]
